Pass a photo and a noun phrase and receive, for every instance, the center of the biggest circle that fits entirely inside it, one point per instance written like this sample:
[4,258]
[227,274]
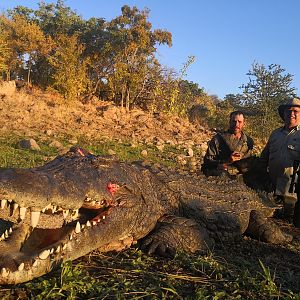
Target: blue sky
[225,36]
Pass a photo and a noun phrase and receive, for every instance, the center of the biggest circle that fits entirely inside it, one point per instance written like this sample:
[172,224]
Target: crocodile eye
[112,187]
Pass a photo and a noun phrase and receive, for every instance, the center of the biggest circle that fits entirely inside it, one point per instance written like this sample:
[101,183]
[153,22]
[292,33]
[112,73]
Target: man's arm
[250,145]
[212,158]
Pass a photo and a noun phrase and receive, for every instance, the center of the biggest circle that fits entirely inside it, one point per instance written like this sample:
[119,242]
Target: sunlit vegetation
[54,48]
[115,60]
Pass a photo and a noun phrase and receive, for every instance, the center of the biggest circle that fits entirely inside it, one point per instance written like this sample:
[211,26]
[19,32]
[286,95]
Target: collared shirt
[280,152]
[222,145]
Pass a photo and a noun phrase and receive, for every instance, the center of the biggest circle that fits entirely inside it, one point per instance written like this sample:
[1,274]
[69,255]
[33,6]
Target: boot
[296,218]
[288,211]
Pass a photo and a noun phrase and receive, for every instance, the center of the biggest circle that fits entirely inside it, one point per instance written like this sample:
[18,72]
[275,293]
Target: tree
[26,40]
[178,102]
[268,87]
[4,52]
[57,19]
[132,43]
[70,68]
[235,100]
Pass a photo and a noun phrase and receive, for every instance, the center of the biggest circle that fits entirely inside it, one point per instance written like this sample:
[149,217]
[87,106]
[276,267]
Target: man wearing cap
[281,155]
[225,148]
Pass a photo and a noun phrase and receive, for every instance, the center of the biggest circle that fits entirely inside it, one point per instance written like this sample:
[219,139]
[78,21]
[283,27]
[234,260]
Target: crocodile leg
[263,229]
[174,233]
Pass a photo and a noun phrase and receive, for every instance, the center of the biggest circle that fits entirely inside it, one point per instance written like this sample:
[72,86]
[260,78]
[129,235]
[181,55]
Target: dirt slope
[34,113]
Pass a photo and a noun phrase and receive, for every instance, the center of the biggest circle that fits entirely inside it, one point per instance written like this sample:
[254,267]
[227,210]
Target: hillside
[36,114]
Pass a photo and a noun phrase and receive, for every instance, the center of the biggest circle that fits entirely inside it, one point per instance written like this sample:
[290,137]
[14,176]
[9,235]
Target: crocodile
[80,202]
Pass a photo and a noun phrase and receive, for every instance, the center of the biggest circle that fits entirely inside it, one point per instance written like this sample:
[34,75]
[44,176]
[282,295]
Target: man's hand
[235,156]
[223,167]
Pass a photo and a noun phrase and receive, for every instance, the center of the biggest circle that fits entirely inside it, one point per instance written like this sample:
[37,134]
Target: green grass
[131,274]
[12,156]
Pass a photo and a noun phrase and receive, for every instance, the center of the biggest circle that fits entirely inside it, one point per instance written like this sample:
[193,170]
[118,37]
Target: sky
[225,36]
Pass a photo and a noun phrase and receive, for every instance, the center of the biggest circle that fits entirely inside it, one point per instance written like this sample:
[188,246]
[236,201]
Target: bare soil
[32,113]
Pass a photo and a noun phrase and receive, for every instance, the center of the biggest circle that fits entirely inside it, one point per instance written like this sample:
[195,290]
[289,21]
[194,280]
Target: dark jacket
[222,145]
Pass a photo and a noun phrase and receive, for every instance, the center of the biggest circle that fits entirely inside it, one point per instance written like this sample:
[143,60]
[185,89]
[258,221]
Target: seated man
[227,147]
[281,156]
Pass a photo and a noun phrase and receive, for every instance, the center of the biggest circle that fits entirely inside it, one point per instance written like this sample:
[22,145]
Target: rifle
[294,178]
[295,186]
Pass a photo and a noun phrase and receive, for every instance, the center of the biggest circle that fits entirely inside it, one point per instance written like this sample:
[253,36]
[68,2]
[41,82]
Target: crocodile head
[67,208]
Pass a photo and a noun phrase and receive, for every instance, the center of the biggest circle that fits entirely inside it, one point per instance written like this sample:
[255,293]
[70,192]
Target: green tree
[133,43]
[178,102]
[26,41]
[57,18]
[235,100]
[95,38]
[52,19]
[69,67]
[268,87]
[4,52]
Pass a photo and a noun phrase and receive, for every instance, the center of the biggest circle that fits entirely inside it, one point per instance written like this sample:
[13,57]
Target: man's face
[291,116]
[236,124]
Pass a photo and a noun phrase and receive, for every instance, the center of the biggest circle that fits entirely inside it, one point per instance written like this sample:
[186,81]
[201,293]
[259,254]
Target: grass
[131,274]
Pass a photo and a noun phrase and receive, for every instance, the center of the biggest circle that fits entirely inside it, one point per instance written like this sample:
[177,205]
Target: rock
[111,152]
[144,153]
[63,150]
[56,144]
[160,147]
[29,144]
[204,147]
[7,88]
[73,141]
[181,159]
[49,132]
[190,152]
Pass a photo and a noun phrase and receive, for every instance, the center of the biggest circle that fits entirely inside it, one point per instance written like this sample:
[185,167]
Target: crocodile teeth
[77,228]
[88,224]
[57,249]
[75,214]
[64,247]
[3,203]
[71,237]
[10,230]
[22,213]
[65,213]
[47,207]
[94,222]
[4,272]
[34,263]
[15,206]
[44,254]
[21,267]
[35,216]
[6,234]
